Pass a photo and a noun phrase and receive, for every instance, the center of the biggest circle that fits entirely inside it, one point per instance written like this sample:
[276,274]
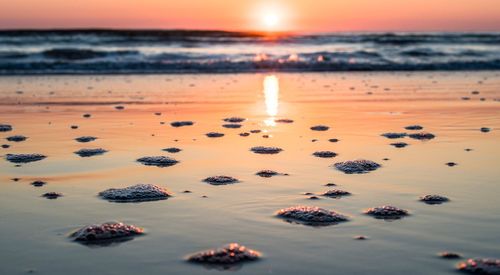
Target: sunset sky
[283,15]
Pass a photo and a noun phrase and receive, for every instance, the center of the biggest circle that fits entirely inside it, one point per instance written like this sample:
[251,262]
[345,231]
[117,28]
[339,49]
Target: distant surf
[172,51]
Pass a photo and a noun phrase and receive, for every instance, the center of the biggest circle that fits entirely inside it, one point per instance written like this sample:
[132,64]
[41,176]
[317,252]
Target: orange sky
[293,15]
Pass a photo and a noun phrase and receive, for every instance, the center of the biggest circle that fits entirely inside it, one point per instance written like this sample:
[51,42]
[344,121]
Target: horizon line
[229,31]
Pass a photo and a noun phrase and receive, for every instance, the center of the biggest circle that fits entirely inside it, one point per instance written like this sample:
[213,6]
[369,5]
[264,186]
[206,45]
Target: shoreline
[259,72]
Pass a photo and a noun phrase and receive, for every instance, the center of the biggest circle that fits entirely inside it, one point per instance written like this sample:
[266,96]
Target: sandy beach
[130,116]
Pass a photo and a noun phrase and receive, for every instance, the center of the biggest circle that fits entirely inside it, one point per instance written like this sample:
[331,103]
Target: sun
[270,17]
[271,20]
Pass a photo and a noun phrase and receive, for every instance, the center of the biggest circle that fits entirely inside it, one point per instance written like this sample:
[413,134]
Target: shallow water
[358,107]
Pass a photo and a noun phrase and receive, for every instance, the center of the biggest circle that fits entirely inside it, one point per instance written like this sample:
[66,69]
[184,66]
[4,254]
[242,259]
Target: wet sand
[357,107]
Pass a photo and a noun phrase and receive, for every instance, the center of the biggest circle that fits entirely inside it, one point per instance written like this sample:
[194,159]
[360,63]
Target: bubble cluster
[24,158]
[267,173]
[106,232]
[422,136]
[85,139]
[266,150]
[335,193]
[394,135]
[324,154]
[433,199]
[90,152]
[359,166]
[414,127]
[310,215]
[52,195]
[320,128]
[159,161]
[16,138]
[232,253]
[220,180]
[234,119]
[181,123]
[172,150]
[136,193]
[283,120]
[386,212]
[214,134]
[5,127]
[232,125]
[480,266]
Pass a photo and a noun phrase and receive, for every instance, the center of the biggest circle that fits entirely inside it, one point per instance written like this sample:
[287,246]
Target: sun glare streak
[271,95]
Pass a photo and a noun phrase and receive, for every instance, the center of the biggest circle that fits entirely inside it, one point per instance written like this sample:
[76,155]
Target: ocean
[177,51]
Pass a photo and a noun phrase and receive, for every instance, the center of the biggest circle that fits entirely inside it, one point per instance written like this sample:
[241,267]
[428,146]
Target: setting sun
[271,17]
[271,20]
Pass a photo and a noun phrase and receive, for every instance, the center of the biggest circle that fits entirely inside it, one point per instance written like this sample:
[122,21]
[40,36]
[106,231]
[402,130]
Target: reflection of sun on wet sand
[271,94]
[247,149]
